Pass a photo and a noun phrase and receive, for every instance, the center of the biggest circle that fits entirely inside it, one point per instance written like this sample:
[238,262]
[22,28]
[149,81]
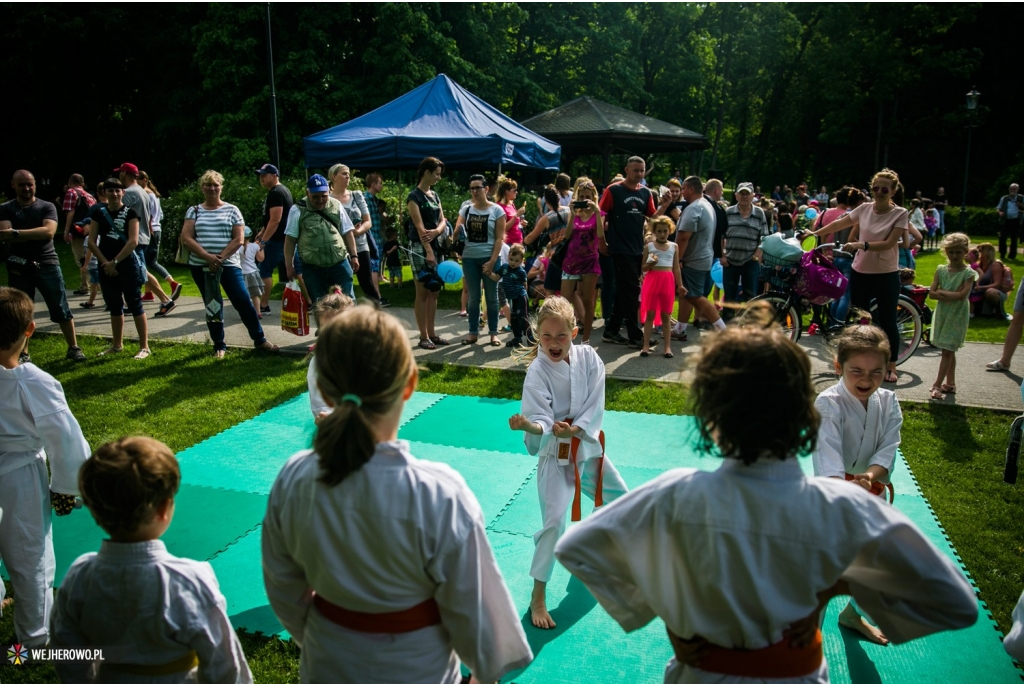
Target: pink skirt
[658,294]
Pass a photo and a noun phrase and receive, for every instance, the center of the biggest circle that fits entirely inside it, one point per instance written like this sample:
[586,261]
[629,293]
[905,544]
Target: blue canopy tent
[439,119]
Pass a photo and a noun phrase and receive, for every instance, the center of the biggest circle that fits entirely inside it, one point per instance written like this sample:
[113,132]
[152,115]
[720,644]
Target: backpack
[1007,285]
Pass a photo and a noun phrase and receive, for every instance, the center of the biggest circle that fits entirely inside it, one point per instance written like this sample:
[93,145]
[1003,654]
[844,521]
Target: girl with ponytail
[377,562]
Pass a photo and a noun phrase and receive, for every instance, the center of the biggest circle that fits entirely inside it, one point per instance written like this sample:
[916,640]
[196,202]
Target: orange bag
[294,310]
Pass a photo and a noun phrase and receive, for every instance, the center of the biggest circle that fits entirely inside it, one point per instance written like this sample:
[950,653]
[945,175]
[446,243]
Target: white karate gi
[390,536]
[852,438]
[1013,643]
[145,606]
[36,426]
[555,391]
[739,554]
[316,400]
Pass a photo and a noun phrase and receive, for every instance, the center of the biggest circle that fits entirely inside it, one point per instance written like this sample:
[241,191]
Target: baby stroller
[919,294]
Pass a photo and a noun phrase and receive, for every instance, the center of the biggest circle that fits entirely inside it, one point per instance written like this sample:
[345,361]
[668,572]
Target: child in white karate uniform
[860,430]
[562,413]
[739,562]
[376,562]
[158,618]
[326,308]
[36,429]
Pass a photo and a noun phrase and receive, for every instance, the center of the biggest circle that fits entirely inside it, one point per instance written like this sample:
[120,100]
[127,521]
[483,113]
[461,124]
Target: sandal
[143,353]
[110,350]
[997,365]
[936,393]
[891,377]
[948,389]
[268,346]
[463,314]
[495,342]
[86,305]
[426,344]
[438,340]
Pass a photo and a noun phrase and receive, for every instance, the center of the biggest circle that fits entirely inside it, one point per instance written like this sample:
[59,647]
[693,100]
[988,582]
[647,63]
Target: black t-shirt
[33,216]
[940,202]
[721,224]
[802,199]
[279,196]
[113,236]
[392,259]
[430,213]
[627,209]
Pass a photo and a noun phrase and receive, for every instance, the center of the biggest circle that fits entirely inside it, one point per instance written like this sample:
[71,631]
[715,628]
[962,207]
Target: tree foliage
[784,92]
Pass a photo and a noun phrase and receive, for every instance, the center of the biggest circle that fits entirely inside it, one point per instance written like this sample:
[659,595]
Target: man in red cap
[136,198]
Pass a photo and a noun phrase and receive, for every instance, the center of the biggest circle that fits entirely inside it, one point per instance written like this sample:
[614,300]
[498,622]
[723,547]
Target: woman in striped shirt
[213,233]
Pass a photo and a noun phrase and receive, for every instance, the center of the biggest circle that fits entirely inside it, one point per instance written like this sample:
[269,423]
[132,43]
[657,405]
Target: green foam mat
[222,502]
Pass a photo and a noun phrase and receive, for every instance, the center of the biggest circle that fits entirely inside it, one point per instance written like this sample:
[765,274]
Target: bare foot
[540,616]
[849,618]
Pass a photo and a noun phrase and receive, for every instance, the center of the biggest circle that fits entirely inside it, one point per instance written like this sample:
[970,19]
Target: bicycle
[790,306]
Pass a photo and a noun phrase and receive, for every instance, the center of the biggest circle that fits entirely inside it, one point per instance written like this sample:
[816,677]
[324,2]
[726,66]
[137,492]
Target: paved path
[976,387]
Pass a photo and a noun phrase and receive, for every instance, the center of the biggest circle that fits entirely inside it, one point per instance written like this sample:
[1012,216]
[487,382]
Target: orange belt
[780,660]
[878,488]
[422,615]
[577,513]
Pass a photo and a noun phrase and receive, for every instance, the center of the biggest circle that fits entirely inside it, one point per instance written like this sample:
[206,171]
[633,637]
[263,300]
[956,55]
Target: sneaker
[175,290]
[75,354]
[24,358]
[148,297]
[812,329]
[265,310]
[506,328]
[87,305]
[515,342]
[80,291]
[384,304]
[638,344]
[165,308]
[615,339]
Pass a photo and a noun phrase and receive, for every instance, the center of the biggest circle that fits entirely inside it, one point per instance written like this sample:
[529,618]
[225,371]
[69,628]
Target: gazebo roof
[588,125]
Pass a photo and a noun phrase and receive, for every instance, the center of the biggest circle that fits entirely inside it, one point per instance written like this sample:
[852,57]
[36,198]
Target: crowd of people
[379,566]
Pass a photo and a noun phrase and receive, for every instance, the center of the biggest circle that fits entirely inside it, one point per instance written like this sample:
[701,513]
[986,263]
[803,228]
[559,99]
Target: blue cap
[268,169]
[247,231]
[317,184]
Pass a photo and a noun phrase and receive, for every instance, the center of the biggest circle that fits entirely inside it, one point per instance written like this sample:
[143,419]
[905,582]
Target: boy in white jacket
[36,427]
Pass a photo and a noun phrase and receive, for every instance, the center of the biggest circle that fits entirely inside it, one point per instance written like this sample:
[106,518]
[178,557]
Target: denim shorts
[48,279]
[694,280]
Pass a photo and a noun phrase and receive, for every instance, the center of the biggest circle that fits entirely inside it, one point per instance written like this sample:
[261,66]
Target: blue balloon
[449,271]
[811,213]
[716,274]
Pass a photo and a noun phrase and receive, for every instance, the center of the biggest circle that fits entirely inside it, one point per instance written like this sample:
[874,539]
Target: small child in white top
[158,618]
[663,280]
[37,430]
[326,308]
[250,253]
[859,430]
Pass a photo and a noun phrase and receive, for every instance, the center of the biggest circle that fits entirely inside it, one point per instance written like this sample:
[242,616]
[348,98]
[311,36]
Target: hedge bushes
[246,193]
[981,221]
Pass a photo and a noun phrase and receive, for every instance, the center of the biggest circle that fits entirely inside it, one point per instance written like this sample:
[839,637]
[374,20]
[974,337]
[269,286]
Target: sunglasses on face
[880,189]
[473,189]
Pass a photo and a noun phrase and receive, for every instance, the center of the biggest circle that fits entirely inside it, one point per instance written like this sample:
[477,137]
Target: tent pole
[274,149]
[499,169]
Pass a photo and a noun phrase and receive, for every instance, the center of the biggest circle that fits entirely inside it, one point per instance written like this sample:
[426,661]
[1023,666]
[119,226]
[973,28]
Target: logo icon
[509,148]
[17,655]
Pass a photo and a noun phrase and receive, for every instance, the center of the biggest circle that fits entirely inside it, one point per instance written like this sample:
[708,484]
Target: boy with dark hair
[164,615]
[36,427]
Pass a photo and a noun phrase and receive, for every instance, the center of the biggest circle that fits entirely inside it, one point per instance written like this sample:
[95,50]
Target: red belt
[879,488]
[780,660]
[577,513]
[422,615]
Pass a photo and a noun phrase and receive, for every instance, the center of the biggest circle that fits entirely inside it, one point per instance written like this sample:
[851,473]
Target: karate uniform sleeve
[221,659]
[828,459]
[908,587]
[62,438]
[592,551]
[537,407]
[476,607]
[1013,643]
[288,590]
[591,417]
[885,456]
[64,628]
[316,400]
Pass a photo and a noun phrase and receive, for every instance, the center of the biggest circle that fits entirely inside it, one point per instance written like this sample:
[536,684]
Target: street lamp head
[972,99]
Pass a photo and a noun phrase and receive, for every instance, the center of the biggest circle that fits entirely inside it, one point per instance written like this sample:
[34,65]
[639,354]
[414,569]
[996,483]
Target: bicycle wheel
[910,327]
[786,313]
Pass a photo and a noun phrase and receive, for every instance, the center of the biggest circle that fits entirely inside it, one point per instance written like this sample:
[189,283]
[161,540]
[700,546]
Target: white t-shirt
[247,255]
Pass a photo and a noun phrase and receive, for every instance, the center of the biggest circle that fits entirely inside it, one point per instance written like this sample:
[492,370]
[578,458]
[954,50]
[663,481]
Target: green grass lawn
[182,396]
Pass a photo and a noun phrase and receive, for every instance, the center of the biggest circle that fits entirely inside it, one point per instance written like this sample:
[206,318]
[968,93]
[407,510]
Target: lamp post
[972,104]
[275,152]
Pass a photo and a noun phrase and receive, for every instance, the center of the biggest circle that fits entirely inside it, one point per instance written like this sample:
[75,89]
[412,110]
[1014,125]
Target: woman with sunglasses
[505,197]
[483,223]
[877,229]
